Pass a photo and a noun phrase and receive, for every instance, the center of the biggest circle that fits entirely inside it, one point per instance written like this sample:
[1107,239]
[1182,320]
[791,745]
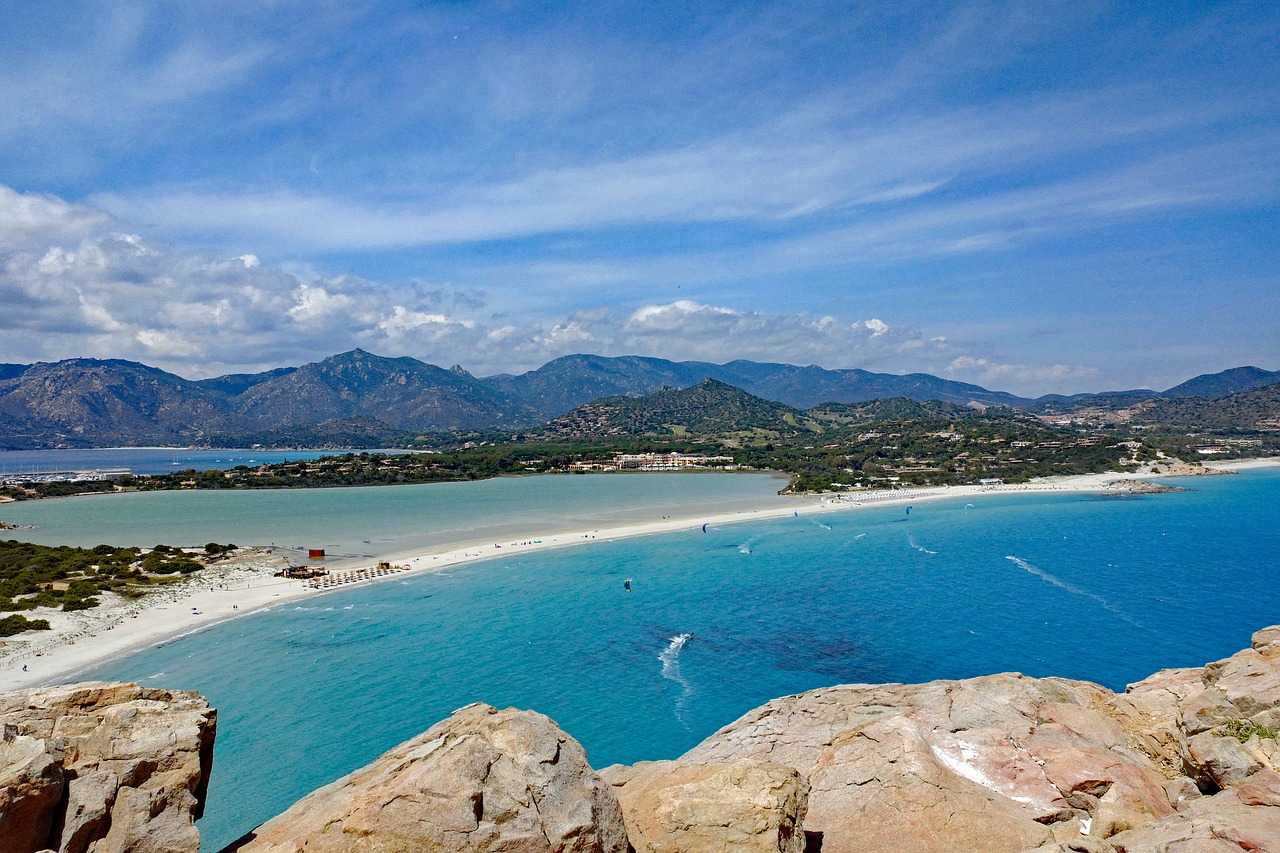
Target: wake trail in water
[823,526]
[1074,590]
[912,542]
[670,658]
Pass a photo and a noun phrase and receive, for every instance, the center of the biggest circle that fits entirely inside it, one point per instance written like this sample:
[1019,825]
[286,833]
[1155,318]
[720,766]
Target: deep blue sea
[1108,590]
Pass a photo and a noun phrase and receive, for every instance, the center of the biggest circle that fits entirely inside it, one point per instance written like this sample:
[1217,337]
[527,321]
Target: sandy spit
[246,583]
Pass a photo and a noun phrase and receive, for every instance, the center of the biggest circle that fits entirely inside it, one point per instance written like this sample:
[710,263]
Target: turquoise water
[379,521]
[719,623]
[147,460]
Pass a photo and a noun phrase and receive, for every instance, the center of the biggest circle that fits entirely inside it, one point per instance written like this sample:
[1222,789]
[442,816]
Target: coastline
[247,585]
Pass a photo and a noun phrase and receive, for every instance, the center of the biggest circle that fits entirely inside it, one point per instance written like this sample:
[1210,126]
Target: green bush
[16,624]
[1242,730]
[185,566]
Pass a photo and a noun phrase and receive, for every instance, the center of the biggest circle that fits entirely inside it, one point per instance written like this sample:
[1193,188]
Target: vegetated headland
[68,579]
[830,447]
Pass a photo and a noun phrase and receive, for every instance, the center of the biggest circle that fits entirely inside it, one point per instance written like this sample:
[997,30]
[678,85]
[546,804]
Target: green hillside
[708,409]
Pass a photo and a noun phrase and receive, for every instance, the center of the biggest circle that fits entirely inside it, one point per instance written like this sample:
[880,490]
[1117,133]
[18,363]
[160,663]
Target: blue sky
[1036,197]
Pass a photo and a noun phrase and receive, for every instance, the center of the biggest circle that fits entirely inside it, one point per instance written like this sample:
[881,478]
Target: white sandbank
[86,639]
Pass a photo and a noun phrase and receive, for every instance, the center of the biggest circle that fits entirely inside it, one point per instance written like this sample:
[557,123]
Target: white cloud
[678,312]
[403,320]
[982,370]
[315,303]
[123,74]
[98,318]
[167,344]
[119,295]
[686,329]
[31,221]
[566,336]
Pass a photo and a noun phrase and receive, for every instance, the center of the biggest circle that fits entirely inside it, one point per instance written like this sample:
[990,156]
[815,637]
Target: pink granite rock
[482,780]
[130,766]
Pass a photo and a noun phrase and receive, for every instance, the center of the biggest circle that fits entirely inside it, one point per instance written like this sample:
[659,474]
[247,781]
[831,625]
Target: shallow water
[149,460]
[1108,590]
[379,521]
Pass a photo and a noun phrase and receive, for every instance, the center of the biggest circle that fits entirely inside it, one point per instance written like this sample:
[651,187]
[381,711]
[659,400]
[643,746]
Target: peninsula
[246,580]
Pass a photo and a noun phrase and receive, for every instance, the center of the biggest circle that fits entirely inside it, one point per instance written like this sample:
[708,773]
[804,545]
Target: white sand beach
[246,584]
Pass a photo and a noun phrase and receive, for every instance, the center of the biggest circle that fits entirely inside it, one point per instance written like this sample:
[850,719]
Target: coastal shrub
[70,604]
[81,589]
[1242,730]
[156,564]
[29,572]
[46,598]
[15,624]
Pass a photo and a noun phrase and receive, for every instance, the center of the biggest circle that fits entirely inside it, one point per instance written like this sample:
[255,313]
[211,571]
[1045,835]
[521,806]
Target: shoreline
[246,584]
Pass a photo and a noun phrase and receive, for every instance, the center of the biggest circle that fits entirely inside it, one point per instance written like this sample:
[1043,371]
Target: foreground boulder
[1009,763]
[747,806]
[102,767]
[482,780]
[982,764]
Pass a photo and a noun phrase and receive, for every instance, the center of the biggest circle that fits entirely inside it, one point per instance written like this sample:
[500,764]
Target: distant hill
[358,398]
[805,387]
[352,398]
[708,409]
[573,380]
[234,384]
[403,392]
[340,432]
[1248,411]
[90,402]
[1227,382]
[894,409]
[1113,399]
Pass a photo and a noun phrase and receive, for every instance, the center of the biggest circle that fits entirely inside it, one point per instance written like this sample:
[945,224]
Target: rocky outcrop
[748,806]
[1009,763]
[1244,817]
[1125,488]
[983,764]
[482,780]
[1182,762]
[103,768]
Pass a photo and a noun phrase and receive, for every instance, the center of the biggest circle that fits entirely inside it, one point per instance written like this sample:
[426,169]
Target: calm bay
[716,623]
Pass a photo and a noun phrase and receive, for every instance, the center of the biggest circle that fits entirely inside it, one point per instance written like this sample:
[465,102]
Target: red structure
[315,553]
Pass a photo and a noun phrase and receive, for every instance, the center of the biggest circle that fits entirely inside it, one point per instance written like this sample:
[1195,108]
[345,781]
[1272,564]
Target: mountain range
[360,399]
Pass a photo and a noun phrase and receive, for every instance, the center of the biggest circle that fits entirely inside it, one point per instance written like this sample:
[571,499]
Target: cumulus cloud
[73,284]
[30,221]
[89,288]
[982,370]
[692,330]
